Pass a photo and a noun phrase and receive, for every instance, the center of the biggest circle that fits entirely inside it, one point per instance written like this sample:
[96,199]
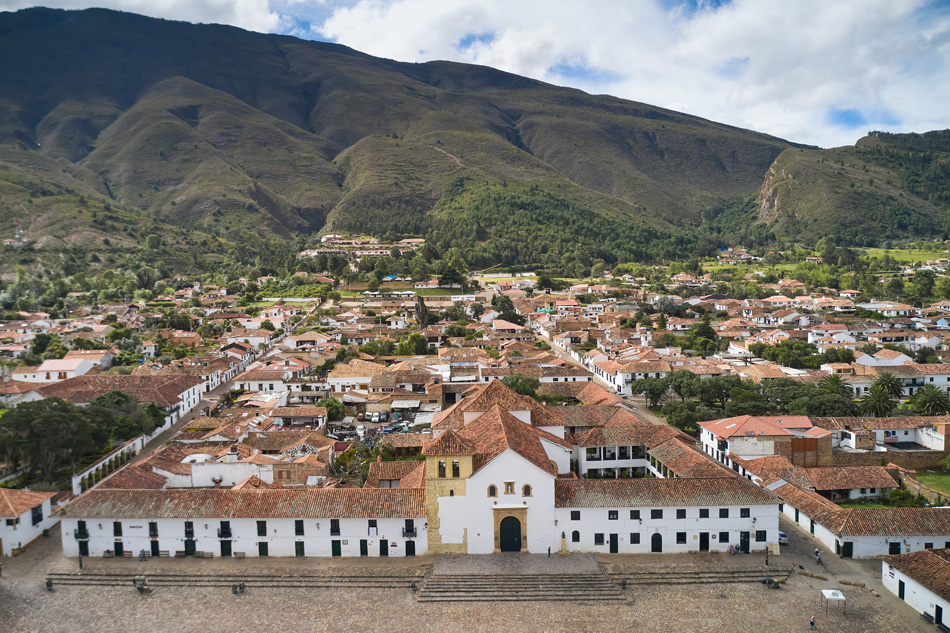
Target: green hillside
[213,129]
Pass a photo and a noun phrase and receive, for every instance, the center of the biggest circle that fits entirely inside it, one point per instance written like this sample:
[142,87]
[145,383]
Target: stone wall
[914,487]
[916,460]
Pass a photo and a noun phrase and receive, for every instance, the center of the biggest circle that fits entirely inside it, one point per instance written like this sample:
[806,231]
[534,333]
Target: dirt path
[457,161]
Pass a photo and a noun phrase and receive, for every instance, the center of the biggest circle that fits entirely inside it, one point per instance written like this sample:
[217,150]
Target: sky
[822,72]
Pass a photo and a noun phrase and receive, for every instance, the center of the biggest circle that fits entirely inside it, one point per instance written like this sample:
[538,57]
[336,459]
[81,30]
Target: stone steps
[517,588]
[251,580]
[673,576]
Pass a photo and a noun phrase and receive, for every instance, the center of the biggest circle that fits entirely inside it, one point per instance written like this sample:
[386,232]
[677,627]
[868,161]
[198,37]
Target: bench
[927,617]
[108,554]
[126,554]
[239,554]
[163,553]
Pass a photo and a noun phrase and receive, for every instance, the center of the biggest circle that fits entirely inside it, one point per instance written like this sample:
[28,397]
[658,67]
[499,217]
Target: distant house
[23,517]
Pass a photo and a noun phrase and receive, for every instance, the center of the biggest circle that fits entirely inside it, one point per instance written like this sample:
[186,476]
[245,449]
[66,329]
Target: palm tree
[930,400]
[877,403]
[835,384]
[891,384]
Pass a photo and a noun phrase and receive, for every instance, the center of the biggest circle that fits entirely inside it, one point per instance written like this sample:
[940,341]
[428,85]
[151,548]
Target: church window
[575,537]
[441,469]
[526,491]
[492,491]
[455,468]
[509,487]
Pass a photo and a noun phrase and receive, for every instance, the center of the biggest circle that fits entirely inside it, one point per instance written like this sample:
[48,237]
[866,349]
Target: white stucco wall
[916,595]
[280,537]
[24,532]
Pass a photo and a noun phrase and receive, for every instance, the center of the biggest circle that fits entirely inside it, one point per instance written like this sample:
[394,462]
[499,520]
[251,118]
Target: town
[389,416]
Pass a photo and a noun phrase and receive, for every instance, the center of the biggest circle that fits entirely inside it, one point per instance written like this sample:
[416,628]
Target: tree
[451,277]
[267,325]
[877,403]
[890,383]
[414,344]
[477,310]
[652,389]
[924,282]
[525,385]
[835,384]
[423,318]
[335,409]
[930,400]
[55,350]
[684,383]
[40,341]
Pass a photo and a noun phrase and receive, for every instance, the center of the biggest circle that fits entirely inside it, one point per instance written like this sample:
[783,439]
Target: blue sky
[813,71]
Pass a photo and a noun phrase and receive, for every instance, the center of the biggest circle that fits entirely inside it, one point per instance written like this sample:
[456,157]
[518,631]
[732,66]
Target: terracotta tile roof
[298,412]
[814,505]
[497,431]
[627,435]
[283,441]
[356,503]
[896,522]
[448,443]
[619,493]
[903,422]
[757,425]
[929,567]
[849,477]
[13,502]
[255,483]
[685,461]
[133,477]
[410,474]
[162,389]
[405,440]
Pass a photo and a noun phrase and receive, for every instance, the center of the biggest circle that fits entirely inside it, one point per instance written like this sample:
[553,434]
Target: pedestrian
[817,557]
[766,557]
[549,552]
[814,627]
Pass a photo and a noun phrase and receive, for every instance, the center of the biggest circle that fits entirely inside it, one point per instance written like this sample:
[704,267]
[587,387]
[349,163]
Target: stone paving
[26,606]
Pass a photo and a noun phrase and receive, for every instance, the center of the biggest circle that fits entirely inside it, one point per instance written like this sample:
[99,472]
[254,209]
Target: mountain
[213,129]
[217,128]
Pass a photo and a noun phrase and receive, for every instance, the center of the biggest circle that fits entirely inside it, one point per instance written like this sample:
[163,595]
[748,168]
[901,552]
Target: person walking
[817,557]
[549,552]
[814,627]
[766,557]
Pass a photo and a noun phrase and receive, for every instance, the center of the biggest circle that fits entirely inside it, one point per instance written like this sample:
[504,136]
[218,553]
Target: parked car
[360,431]
[782,538]
[383,416]
[375,417]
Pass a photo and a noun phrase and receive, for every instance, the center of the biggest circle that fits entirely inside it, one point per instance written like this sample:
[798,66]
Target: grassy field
[906,254]
[860,504]
[938,481]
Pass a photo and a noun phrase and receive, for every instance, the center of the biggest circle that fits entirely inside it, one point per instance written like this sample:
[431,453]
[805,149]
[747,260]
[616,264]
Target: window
[681,513]
[492,491]
[634,538]
[681,538]
[526,491]
[724,537]
[262,528]
[656,514]
[598,539]
[116,528]
[760,536]
[455,468]
[334,527]
[152,528]
[744,513]
[441,469]
[298,527]
[634,515]
[509,487]
[37,514]
[612,515]
[575,537]
[189,529]
[723,513]
[575,515]
[928,545]
[704,513]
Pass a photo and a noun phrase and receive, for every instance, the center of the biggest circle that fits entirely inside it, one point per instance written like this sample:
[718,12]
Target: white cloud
[770,65]
[253,15]
[777,67]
